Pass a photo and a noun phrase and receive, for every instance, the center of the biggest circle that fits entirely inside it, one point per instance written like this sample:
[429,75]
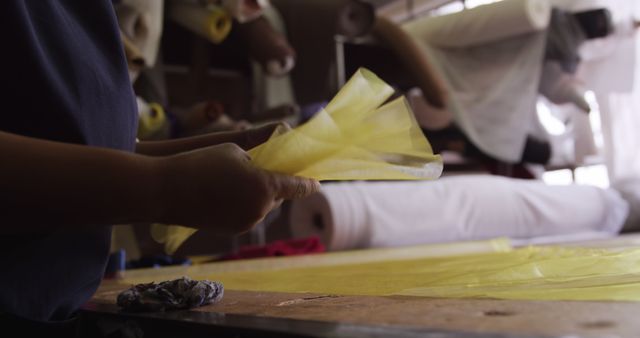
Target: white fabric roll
[459,208]
[483,24]
[141,21]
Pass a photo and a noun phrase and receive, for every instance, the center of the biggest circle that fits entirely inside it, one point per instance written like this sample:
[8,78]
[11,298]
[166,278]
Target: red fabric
[279,248]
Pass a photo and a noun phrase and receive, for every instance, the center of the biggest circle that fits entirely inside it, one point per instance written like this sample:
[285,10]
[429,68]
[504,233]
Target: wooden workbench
[245,313]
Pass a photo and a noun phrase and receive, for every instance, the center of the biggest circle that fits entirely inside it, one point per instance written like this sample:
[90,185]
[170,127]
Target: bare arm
[47,185]
[245,139]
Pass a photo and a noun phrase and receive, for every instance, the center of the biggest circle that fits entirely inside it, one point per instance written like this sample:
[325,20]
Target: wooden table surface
[336,316]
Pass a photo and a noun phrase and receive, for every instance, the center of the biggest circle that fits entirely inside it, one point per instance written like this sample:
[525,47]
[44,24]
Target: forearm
[45,185]
[171,147]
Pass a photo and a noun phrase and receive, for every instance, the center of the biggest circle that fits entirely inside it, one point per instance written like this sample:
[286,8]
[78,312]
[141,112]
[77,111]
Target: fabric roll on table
[388,214]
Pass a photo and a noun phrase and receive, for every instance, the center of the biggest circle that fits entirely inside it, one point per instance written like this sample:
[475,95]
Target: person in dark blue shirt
[70,165]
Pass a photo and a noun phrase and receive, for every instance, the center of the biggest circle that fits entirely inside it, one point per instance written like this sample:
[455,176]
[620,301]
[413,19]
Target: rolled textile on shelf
[141,22]
[346,17]
[459,208]
[311,28]
[213,24]
[483,24]
[355,18]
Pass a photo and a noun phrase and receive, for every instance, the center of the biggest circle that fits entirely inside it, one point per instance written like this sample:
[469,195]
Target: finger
[288,187]
[255,137]
[277,203]
[235,151]
[281,128]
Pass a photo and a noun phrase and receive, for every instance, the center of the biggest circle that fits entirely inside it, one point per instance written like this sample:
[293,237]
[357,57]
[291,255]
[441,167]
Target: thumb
[257,136]
[290,187]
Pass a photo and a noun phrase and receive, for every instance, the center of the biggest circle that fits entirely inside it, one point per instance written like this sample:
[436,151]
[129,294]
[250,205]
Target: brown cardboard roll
[416,60]
[357,215]
[311,26]
[267,46]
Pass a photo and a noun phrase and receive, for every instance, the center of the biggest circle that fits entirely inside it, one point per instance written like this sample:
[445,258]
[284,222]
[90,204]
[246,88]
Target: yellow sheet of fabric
[349,257]
[535,273]
[357,136]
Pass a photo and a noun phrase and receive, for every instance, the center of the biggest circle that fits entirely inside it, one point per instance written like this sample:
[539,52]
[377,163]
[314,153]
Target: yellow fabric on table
[534,273]
[355,137]
[336,258]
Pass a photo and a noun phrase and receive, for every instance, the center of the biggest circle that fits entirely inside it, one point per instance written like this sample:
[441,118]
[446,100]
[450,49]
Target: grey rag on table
[182,293]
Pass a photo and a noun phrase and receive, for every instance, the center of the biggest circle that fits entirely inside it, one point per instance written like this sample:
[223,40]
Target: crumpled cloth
[182,293]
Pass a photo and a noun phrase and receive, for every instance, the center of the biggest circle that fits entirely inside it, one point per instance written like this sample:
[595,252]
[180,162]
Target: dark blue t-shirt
[64,77]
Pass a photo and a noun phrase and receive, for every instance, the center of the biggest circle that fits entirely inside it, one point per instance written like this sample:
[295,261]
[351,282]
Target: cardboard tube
[212,24]
[311,28]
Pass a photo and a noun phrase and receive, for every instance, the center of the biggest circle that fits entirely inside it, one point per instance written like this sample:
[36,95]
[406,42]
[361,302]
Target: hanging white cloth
[491,59]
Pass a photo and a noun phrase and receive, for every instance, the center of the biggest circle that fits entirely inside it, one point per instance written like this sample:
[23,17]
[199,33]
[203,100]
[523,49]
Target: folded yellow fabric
[357,136]
[534,273]
[172,236]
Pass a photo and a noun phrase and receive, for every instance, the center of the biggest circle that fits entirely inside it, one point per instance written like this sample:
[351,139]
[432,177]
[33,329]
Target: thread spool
[211,23]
